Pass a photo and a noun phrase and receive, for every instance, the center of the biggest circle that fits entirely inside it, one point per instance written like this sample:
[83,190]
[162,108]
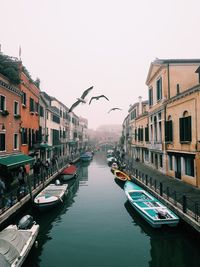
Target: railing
[10,198]
[177,199]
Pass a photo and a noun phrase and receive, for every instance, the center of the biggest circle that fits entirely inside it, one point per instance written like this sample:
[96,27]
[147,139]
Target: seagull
[81,99]
[114,109]
[97,98]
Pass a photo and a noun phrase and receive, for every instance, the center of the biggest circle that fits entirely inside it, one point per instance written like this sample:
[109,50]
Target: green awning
[14,161]
[45,146]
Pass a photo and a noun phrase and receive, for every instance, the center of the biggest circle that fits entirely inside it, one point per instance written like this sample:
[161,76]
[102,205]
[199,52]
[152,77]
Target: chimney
[140,106]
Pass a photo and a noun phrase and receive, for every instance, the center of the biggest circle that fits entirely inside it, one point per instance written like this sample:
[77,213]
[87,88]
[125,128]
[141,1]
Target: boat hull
[152,210]
[121,175]
[50,197]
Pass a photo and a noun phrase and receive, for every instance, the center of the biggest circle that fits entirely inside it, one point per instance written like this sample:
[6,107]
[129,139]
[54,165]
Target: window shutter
[147,134]
[181,129]
[188,128]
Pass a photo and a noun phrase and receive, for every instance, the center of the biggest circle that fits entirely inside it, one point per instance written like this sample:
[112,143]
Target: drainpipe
[165,108]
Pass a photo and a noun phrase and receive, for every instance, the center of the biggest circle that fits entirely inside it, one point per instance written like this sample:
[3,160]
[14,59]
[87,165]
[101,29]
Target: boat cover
[69,170]
[12,242]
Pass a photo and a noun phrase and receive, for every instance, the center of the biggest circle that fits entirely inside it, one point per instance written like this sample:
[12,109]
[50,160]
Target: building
[30,131]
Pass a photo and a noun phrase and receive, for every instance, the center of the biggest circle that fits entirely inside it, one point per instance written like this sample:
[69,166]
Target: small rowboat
[122,176]
[69,172]
[152,210]
[50,196]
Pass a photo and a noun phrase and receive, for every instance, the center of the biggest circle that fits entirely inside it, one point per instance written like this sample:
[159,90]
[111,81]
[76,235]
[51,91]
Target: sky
[71,45]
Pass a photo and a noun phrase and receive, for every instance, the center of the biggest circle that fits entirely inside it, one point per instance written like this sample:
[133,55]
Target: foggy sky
[72,45]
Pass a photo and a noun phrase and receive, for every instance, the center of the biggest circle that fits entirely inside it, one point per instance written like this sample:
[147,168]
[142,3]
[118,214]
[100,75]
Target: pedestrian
[21,176]
[2,191]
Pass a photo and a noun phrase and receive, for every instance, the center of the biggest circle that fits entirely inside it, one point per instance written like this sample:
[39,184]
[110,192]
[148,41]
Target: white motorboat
[17,241]
[50,196]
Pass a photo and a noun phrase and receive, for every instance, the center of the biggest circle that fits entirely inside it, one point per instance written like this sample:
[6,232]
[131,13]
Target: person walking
[2,191]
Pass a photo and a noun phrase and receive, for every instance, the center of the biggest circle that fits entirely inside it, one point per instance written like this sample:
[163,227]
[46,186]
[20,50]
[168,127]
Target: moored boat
[87,156]
[114,167]
[69,172]
[151,209]
[50,196]
[16,241]
[122,176]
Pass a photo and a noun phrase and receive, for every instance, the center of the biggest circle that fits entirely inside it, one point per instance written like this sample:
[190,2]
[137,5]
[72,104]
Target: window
[147,133]
[133,114]
[41,111]
[170,162]
[150,96]
[159,89]
[161,161]
[155,129]
[24,136]
[2,102]
[31,105]
[47,114]
[169,130]
[36,107]
[16,142]
[2,141]
[16,107]
[23,98]
[185,129]
[151,157]
[189,166]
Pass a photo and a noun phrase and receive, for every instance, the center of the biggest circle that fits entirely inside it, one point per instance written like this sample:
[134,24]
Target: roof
[157,63]
[13,161]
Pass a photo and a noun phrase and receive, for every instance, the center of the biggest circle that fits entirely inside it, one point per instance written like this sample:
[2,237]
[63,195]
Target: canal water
[96,227]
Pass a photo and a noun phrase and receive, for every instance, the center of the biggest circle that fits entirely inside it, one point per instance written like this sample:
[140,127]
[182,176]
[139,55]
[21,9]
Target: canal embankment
[182,198]
[16,204]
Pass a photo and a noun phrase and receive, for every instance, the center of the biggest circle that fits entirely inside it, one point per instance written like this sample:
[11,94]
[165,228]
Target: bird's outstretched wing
[114,109]
[103,96]
[92,99]
[86,92]
[73,106]
[97,98]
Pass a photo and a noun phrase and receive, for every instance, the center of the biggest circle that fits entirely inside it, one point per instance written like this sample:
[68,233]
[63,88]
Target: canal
[97,227]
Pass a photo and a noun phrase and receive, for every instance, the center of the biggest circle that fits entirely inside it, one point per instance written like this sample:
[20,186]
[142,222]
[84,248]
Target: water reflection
[47,220]
[168,246]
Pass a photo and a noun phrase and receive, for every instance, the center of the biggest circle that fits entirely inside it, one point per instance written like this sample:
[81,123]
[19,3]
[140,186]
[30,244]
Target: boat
[151,209]
[50,196]
[87,156]
[122,176]
[114,167]
[69,172]
[111,159]
[16,241]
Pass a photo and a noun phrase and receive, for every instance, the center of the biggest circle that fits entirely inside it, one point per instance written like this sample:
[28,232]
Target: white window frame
[4,102]
[17,147]
[16,102]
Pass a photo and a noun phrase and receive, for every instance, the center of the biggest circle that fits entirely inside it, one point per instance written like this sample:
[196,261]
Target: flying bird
[114,109]
[81,99]
[97,98]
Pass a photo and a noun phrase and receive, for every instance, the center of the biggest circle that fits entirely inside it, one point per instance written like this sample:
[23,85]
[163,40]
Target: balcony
[155,145]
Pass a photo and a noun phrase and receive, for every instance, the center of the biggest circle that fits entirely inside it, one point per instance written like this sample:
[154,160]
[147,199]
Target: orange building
[10,102]
[30,130]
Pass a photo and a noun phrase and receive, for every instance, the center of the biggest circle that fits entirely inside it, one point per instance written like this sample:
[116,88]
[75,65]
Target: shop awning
[45,146]
[14,161]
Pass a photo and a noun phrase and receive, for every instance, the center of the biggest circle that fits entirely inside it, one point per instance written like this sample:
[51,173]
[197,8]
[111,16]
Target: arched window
[185,128]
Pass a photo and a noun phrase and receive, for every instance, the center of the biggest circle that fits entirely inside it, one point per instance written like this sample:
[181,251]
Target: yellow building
[174,125]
